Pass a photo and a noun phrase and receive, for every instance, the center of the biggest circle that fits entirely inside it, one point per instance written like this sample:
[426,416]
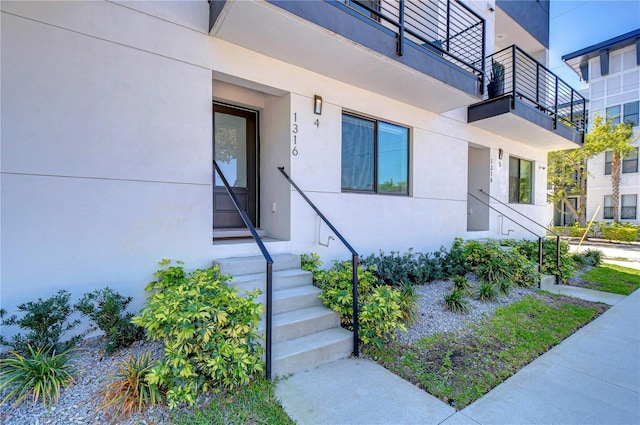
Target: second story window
[375,156]
[520,181]
[624,113]
[629,164]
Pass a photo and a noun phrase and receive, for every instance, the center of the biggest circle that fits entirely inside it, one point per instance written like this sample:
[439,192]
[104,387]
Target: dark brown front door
[234,148]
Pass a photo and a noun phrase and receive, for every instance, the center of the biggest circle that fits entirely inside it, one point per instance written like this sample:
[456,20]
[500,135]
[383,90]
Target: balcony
[424,53]
[529,103]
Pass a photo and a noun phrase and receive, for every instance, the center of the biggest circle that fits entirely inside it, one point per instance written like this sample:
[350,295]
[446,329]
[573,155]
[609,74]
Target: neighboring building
[612,69]
[110,108]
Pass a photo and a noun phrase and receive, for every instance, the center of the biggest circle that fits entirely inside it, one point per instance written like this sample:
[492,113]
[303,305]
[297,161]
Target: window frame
[607,211]
[625,115]
[623,206]
[625,161]
[376,157]
[532,178]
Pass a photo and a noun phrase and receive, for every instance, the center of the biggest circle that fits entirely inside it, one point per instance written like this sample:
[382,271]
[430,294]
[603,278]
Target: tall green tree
[567,174]
[605,135]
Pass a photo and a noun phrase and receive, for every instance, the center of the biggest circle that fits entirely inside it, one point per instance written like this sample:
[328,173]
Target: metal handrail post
[558,259]
[269,270]
[354,289]
[539,257]
[401,29]
[513,77]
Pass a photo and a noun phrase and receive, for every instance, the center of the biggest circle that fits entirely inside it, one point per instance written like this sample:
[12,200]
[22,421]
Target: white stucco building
[612,69]
[112,112]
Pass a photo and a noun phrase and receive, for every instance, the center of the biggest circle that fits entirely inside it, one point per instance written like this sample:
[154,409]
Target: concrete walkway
[592,377]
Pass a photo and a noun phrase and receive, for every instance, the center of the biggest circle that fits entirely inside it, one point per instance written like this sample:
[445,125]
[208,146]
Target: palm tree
[617,138]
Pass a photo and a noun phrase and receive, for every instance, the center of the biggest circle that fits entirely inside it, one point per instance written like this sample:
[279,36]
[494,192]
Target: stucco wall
[107,148]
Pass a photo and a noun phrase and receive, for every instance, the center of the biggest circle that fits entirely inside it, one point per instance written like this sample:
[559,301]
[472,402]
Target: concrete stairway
[305,333]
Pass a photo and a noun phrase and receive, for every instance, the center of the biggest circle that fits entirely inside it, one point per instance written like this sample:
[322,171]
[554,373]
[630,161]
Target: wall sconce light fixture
[500,153]
[317,104]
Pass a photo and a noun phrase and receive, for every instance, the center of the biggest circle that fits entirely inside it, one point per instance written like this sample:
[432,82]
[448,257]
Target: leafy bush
[623,234]
[46,322]
[40,373]
[455,262]
[394,269]
[381,307]
[505,286]
[576,231]
[454,301]
[549,266]
[209,332]
[486,291]
[461,283]
[588,258]
[129,390]
[106,308]
[310,262]
[493,263]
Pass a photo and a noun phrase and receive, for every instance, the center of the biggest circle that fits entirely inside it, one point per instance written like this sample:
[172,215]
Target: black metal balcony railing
[527,79]
[446,28]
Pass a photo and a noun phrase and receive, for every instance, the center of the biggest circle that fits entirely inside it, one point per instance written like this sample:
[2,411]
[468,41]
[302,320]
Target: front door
[234,149]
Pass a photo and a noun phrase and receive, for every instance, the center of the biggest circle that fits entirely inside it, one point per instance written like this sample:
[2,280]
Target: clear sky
[579,24]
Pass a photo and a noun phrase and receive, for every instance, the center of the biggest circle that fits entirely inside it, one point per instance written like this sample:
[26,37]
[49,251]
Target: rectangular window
[630,163]
[613,112]
[608,161]
[520,181]
[631,112]
[628,210]
[372,4]
[375,156]
[607,211]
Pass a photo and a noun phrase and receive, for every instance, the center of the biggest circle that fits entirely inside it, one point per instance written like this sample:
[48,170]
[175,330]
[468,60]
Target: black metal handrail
[354,260]
[527,79]
[558,270]
[269,269]
[447,28]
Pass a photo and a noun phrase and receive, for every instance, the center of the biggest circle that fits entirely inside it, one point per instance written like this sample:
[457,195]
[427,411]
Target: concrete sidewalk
[592,377]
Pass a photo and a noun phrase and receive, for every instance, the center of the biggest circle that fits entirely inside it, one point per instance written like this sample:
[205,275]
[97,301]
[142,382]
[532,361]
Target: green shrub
[394,269]
[381,307]
[576,231]
[461,283]
[106,308]
[486,291]
[455,302]
[46,321]
[455,261]
[310,262]
[128,390]
[530,250]
[505,286]
[623,234]
[39,373]
[494,263]
[209,332]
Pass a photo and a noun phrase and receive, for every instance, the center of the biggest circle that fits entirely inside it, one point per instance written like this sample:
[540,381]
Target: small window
[372,4]
[375,156]
[631,113]
[628,210]
[607,211]
[630,163]
[608,162]
[520,181]
[613,113]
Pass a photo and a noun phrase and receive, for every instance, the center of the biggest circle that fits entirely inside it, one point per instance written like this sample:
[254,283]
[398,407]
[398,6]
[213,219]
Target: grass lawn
[612,278]
[253,404]
[460,368]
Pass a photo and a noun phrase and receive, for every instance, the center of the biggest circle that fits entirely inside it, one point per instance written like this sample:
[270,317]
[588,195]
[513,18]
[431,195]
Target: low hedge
[624,234]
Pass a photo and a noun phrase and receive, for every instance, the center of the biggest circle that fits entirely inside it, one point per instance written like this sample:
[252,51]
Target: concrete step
[238,266]
[297,298]
[297,323]
[284,279]
[310,351]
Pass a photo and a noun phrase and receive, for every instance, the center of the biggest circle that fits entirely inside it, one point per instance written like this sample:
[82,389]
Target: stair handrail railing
[269,268]
[354,259]
[557,235]
[519,224]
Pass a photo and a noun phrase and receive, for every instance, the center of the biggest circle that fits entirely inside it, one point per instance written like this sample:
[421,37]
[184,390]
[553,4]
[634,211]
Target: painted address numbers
[295,129]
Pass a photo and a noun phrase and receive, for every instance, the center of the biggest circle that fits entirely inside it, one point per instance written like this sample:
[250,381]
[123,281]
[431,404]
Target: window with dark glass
[375,156]
[371,4]
[629,164]
[607,211]
[628,207]
[613,113]
[631,113]
[520,181]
